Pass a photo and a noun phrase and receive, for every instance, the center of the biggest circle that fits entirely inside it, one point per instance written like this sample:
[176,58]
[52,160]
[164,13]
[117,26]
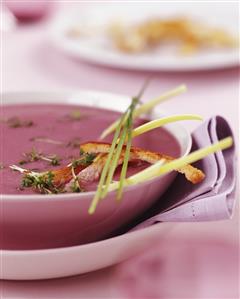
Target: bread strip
[192,174]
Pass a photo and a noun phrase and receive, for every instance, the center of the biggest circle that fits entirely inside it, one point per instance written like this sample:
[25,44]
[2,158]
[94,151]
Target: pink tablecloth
[30,62]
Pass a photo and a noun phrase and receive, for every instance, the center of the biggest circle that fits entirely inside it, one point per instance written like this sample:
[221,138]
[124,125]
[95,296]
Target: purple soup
[55,132]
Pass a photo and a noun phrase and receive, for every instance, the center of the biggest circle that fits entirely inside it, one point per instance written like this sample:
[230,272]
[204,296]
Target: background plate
[97,49]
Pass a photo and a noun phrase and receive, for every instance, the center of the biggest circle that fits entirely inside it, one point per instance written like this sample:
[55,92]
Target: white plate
[63,262]
[97,49]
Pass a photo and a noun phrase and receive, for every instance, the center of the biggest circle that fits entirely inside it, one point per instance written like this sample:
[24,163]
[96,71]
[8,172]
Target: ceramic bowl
[40,221]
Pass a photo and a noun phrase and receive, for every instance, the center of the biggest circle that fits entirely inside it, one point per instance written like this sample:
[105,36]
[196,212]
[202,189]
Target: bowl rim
[88,98]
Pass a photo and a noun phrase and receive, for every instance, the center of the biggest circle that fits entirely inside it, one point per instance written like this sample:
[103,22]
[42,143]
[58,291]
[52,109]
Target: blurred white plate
[98,48]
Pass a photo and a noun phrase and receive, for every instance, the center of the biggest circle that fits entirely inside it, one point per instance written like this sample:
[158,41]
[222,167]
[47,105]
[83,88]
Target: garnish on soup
[106,166]
[16,122]
[35,155]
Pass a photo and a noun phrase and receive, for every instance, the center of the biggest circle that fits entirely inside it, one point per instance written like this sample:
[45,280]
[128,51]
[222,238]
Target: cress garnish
[43,182]
[16,122]
[54,160]
[84,160]
[75,186]
[35,155]
[32,156]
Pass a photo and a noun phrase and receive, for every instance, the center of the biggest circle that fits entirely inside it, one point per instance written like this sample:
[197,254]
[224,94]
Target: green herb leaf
[75,186]
[55,160]
[84,160]
[16,122]
[28,181]
[43,182]
[22,162]
[33,155]
[75,115]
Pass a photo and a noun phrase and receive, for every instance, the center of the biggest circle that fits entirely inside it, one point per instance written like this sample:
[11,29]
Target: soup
[41,137]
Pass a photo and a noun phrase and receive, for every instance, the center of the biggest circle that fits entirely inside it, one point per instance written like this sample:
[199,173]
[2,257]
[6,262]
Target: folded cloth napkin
[213,199]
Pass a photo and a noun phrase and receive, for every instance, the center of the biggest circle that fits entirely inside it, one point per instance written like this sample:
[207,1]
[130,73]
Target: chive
[126,159]
[115,151]
[126,133]
[163,121]
[148,106]
[160,168]
[104,183]
[115,161]
[98,193]
[143,129]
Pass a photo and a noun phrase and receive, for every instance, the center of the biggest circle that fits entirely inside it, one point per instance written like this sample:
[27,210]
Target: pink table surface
[31,63]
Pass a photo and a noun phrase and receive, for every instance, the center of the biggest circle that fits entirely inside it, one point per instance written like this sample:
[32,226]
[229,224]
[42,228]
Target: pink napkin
[213,199]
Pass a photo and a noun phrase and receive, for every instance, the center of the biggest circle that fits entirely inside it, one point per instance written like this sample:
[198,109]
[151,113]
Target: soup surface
[54,133]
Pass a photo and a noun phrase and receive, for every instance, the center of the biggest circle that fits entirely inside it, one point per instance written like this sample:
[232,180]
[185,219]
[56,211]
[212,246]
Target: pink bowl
[40,221]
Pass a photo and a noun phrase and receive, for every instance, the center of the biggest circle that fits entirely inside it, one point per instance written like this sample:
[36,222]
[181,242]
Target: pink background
[199,270]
